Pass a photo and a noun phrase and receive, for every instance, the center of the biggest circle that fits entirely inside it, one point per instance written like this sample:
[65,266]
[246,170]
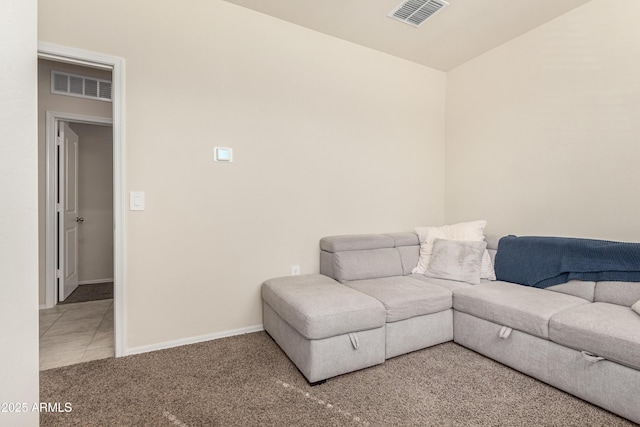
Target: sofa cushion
[456,260]
[622,293]
[404,297]
[493,241]
[319,307]
[607,330]
[577,288]
[636,307]
[367,264]
[520,307]
[409,256]
[444,283]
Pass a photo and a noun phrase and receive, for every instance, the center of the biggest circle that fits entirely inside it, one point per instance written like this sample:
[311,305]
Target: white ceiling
[453,36]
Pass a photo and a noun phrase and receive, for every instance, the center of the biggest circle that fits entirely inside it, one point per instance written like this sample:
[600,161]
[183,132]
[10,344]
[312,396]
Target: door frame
[116,65]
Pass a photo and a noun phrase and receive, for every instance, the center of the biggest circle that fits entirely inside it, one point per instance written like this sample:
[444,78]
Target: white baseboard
[43,306]
[192,340]
[94,281]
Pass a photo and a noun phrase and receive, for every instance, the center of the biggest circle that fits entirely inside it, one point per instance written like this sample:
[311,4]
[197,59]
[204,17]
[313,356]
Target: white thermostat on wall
[223,154]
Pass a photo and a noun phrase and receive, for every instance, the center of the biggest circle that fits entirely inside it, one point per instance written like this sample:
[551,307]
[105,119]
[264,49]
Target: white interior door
[69,220]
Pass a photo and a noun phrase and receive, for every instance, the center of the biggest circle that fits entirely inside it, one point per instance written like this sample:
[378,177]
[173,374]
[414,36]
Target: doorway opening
[80,218]
[77,326]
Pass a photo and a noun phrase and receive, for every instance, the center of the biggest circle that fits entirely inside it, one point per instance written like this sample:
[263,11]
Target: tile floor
[74,333]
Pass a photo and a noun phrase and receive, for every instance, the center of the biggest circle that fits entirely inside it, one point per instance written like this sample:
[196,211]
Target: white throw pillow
[636,307]
[469,231]
[458,260]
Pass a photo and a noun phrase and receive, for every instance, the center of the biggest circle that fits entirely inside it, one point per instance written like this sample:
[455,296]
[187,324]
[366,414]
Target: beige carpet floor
[248,381]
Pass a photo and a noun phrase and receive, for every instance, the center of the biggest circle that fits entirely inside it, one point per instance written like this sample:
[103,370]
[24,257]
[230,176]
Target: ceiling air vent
[80,86]
[415,12]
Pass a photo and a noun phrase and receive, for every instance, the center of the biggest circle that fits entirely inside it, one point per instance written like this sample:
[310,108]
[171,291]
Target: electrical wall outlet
[295,270]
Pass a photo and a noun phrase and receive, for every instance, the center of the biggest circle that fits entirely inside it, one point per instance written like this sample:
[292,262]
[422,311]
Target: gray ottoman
[325,328]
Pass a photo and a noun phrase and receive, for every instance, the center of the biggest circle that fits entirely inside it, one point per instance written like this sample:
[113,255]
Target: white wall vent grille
[80,86]
[415,12]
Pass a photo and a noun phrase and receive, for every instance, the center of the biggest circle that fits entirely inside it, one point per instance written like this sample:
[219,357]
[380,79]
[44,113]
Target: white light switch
[223,154]
[136,200]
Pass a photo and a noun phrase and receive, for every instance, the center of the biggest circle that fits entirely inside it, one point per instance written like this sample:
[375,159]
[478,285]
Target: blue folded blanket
[548,261]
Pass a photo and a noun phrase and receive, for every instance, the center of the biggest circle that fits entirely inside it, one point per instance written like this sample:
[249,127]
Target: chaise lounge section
[580,336]
[325,328]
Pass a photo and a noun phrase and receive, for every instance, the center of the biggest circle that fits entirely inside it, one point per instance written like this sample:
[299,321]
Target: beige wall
[542,132]
[48,101]
[328,137]
[18,211]
[95,202]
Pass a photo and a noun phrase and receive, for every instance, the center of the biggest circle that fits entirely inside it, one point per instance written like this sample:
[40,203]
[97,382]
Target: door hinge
[58,140]
[58,274]
[58,207]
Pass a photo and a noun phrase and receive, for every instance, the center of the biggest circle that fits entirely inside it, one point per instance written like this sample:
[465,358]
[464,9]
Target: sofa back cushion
[409,256]
[368,256]
[368,264]
[577,288]
[621,293]
[408,246]
[492,245]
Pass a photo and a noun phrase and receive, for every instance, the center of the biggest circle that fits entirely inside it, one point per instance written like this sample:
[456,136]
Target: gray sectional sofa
[366,306]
